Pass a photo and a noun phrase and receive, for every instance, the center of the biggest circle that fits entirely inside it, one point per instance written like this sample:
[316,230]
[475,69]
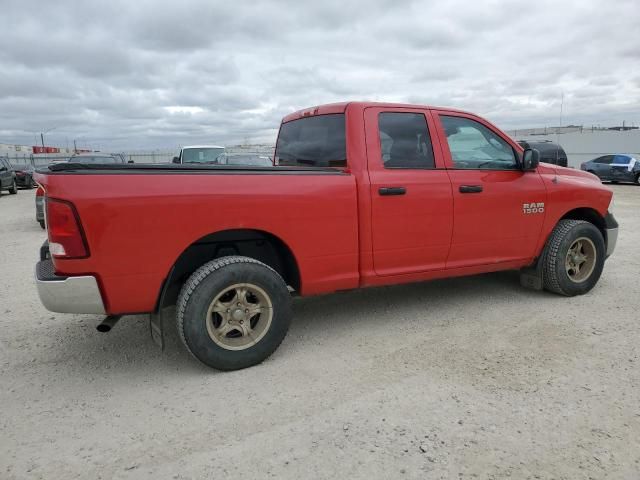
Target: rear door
[498,208]
[411,200]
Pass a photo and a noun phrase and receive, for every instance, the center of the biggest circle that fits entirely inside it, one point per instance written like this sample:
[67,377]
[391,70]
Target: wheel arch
[590,215]
[258,244]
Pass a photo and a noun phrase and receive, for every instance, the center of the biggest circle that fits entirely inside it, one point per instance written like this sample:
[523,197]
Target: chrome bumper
[67,294]
[612,239]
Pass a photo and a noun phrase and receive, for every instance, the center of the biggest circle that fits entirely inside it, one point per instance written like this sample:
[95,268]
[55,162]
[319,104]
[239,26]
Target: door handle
[392,191]
[470,188]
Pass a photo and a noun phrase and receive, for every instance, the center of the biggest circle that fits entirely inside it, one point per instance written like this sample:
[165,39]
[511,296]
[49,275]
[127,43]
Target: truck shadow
[129,346]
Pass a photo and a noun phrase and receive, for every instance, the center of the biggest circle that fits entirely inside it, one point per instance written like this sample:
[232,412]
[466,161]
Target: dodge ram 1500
[361,194]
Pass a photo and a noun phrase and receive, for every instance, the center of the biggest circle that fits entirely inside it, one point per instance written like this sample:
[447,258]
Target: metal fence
[156,156]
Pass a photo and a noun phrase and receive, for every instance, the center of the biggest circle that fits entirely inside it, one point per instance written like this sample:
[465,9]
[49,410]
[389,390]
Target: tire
[560,273]
[638,179]
[14,188]
[41,222]
[202,313]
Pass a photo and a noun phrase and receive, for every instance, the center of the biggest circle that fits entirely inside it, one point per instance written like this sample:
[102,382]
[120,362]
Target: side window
[474,146]
[405,140]
[621,160]
[607,159]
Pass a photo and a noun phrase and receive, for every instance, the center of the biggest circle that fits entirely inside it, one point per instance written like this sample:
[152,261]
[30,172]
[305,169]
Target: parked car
[40,206]
[549,152]
[98,158]
[386,194]
[614,168]
[7,177]
[248,159]
[24,175]
[201,154]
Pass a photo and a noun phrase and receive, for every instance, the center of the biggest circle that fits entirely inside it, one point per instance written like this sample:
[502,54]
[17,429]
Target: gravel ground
[472,377]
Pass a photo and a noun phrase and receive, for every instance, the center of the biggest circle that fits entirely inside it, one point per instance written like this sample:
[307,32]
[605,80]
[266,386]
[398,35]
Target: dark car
[7,177]
[549,152]
[24,175]
[614,168]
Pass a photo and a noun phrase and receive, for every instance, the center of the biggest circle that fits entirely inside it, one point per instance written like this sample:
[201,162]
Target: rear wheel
[13,189]
[233,312]
[638,179]
[574,258]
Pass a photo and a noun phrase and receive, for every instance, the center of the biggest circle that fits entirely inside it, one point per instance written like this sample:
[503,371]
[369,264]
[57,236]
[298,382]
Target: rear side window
[405,141]
[317,141]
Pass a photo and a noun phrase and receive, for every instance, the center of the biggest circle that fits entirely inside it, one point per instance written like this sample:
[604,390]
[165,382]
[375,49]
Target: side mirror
[3,169]
[530,159]
[175,160]
[130,161]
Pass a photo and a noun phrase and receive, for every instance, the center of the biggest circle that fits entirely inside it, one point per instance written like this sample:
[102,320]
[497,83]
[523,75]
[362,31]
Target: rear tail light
[66,239]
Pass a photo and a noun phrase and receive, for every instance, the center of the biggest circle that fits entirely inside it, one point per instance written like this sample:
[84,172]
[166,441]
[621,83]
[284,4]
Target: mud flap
[156,327]
[156,319]
[531,277]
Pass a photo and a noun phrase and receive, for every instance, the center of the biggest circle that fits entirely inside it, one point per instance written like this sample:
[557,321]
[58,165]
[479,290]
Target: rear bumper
[612,233]
[67,294]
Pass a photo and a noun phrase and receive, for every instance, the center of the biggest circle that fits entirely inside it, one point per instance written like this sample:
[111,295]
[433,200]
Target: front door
[411,202]
[498,208]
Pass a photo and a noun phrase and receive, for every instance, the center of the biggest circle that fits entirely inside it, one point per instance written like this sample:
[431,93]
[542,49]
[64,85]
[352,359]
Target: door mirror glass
[530,159]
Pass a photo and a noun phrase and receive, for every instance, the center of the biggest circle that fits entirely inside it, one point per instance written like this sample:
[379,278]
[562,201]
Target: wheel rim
[580,260]
[239,316]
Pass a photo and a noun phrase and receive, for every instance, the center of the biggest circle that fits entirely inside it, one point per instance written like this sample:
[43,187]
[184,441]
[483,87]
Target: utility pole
[42,139]
[75,148]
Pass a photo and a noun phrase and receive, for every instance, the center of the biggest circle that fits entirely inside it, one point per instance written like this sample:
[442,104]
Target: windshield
[22,167]
[202,155]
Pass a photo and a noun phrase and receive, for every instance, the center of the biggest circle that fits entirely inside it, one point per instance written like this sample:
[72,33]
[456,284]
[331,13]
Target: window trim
[449,165]
[429,133]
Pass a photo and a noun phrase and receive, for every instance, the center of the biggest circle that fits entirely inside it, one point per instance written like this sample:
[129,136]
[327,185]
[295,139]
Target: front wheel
[574,258]
[638,179]
[233,312]
[14,188]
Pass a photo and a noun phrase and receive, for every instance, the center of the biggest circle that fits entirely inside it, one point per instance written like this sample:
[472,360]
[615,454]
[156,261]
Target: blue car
[614,168]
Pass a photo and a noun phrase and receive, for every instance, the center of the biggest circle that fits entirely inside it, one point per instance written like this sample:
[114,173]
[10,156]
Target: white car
[201,154]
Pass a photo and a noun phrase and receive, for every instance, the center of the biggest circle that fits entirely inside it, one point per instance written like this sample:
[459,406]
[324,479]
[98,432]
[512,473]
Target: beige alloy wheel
[580,260]
[239,316]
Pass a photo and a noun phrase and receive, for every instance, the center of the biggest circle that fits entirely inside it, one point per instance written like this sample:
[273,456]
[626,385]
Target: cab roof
[340,107]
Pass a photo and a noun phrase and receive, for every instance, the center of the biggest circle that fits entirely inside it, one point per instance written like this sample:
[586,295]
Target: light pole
[42,134]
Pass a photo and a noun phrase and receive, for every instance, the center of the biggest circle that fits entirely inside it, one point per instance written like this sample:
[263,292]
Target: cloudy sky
[141,74]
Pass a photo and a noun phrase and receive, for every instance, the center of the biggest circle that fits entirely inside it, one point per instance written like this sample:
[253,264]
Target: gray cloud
[159,74]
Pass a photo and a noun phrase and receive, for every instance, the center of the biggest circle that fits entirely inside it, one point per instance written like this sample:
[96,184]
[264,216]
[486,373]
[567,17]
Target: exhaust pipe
[108,323]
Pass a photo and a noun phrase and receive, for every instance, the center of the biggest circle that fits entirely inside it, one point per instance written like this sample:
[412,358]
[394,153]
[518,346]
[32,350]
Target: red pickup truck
[361,194]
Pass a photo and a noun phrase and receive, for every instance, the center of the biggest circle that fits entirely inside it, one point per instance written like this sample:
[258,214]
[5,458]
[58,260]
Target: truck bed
[138,220]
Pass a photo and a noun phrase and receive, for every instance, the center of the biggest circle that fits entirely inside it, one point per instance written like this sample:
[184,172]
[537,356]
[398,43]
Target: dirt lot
[461,378]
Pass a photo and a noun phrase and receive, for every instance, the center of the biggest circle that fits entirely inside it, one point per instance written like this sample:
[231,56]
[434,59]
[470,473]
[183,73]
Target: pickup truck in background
[363,194]
[201,155]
